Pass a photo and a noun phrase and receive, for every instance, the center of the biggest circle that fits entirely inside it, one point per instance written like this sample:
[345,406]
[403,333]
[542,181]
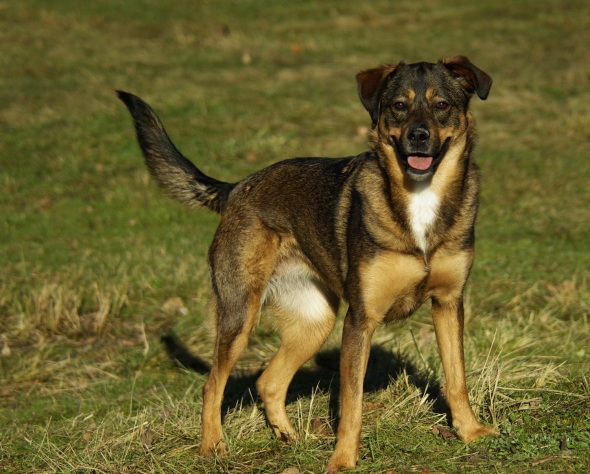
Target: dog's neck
[424,199]
[425,203]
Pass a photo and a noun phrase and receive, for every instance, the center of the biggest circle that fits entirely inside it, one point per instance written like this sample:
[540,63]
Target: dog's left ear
[370,84]
[473,79]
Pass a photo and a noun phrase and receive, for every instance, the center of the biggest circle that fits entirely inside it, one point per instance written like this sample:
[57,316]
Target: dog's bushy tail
[176,175]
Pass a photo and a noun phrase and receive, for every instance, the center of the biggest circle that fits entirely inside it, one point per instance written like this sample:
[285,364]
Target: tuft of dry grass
[60,311]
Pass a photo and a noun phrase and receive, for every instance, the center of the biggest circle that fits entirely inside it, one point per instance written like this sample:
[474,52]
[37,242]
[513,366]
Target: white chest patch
[423,209]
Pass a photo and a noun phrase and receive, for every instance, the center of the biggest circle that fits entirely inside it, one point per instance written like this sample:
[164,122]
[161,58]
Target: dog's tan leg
[448,325]
[302,335]
[356,346]
[228,348]
[242,260]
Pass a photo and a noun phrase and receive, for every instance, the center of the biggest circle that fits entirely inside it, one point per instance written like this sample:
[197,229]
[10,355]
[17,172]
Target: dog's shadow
[384,367]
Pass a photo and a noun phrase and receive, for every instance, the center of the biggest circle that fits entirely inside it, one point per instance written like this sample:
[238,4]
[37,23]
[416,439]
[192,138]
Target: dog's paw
[338,462]
[287,437]
[285,433]
[476,432]
[220,448]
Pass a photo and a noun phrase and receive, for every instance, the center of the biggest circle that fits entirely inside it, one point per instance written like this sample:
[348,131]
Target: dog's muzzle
[420,152]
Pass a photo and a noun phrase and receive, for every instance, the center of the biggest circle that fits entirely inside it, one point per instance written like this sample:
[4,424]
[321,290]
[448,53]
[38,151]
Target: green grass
[97,264]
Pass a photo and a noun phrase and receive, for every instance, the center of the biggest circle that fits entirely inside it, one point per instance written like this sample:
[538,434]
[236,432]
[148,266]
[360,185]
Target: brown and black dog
[384,231]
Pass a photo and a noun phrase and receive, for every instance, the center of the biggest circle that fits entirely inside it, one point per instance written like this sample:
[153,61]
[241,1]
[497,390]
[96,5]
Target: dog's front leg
[356,345]
[448,316]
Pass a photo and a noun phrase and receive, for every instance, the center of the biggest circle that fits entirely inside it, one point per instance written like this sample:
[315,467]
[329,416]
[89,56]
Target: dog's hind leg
[228,347]
[239,273]
[306,314]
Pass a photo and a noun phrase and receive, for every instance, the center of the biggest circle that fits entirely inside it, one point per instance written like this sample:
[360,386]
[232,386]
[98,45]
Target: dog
[383,231]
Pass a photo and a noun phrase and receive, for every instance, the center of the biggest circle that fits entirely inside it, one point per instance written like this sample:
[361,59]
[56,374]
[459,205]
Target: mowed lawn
[96,265]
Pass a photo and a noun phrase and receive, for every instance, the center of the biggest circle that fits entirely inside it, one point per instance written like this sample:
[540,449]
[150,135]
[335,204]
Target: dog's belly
[394,286]
[296,291]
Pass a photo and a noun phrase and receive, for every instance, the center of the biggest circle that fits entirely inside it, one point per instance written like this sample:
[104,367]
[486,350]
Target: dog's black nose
[418,135]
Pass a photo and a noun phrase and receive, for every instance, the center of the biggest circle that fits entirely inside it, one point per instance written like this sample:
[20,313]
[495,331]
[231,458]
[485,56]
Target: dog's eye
[442,105]
[399,106]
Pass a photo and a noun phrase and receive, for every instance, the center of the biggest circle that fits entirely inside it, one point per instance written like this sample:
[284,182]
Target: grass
[97,265]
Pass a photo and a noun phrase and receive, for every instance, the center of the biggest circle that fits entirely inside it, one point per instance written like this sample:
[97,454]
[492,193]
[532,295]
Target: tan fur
[392,277]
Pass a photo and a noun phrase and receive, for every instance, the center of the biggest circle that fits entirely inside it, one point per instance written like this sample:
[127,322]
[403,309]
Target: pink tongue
[420,162]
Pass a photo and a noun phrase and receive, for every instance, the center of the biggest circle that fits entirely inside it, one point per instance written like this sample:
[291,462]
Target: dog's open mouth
[420,163]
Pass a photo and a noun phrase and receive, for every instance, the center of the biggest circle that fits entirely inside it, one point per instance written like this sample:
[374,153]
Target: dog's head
[421,109]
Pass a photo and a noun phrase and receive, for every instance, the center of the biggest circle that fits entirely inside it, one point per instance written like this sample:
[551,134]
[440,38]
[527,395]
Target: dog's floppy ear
[473,79]
[371,84]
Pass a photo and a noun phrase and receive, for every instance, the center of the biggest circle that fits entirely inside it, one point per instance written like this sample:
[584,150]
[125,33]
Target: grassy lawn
[97,265]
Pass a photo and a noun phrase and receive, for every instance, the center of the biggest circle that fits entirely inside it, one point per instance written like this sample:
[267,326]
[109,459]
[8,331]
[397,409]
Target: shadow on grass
[383,368]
